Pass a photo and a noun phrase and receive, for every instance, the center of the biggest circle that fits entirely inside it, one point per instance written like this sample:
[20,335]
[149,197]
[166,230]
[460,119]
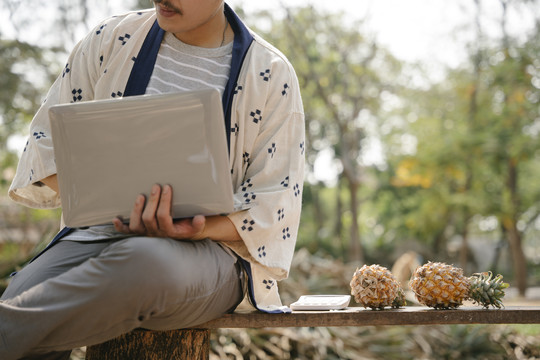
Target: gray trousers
[84,293]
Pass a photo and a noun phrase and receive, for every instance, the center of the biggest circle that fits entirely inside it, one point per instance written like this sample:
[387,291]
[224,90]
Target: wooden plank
[355,316]
[195,343]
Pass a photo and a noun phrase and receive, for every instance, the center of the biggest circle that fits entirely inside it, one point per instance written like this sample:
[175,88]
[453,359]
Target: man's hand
[154,218]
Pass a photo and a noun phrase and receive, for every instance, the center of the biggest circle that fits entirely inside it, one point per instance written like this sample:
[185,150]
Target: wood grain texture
[154,345]
[355,316]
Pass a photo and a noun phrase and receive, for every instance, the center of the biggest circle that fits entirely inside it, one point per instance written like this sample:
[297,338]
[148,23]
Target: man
[93,284]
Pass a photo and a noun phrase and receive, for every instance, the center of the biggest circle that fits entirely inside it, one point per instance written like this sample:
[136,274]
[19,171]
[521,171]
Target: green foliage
[471,133]
[21,66]
[527,329]
[318,222]
[143,4]
[344,77]
[449,146]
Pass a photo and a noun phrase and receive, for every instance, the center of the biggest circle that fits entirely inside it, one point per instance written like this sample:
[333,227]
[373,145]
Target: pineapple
[375,287]
[443,286]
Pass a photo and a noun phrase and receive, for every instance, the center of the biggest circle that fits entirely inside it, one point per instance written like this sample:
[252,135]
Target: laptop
[109,151]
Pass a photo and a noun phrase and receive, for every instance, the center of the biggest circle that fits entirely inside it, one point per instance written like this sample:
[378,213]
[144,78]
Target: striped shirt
[182,67]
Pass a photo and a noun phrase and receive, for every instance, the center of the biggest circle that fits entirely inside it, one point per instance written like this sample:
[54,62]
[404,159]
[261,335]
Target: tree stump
[154,345]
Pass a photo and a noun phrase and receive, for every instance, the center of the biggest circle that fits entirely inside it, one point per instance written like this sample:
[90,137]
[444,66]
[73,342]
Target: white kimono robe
[264,120]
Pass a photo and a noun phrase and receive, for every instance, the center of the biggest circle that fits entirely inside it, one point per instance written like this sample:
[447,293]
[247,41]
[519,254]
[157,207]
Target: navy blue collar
[146,59]
[242,42]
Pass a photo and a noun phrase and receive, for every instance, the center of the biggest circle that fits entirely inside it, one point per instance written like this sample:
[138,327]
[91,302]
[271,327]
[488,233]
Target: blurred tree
[22,65]
[476,143]
[143,4]
[515,95]
[343,76]
[63,18]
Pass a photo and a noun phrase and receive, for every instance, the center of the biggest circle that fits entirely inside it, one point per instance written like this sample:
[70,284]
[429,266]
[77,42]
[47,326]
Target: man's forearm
[220,228]
[52,182]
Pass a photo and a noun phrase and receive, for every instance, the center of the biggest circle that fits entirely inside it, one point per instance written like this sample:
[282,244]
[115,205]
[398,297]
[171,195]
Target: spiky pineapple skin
[375,287]
[440,285]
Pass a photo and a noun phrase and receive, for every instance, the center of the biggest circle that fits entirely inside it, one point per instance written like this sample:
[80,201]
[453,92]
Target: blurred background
[423,123]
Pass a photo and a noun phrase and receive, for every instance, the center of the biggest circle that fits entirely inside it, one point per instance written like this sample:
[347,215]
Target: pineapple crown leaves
[399,301]
[487,290]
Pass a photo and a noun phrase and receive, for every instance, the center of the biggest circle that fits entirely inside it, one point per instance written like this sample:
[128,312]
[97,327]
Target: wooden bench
[195,343]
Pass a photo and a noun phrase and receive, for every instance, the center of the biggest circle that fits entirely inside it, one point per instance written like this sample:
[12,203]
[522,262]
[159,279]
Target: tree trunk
[518,258]
[440,242]
[187,344]
[355,245]
[464,251]
[498,248]
[514,237]
[512,215]
[338,227]
[317,209]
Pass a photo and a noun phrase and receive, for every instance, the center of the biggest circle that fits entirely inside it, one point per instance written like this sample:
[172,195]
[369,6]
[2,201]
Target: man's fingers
[198,223]
[149,214]
[155,218]
[119,225]
[135,223]
[163,214]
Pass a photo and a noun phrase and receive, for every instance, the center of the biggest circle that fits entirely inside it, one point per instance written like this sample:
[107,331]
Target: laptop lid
[109,151]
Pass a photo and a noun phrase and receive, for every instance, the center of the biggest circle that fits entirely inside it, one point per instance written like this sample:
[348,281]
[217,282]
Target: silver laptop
[109,151]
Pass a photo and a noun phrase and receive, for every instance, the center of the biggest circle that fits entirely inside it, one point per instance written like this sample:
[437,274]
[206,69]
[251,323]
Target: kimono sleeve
[272,162]
[37,162]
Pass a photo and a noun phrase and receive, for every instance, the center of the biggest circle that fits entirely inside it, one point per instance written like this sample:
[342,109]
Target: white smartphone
[321,302]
